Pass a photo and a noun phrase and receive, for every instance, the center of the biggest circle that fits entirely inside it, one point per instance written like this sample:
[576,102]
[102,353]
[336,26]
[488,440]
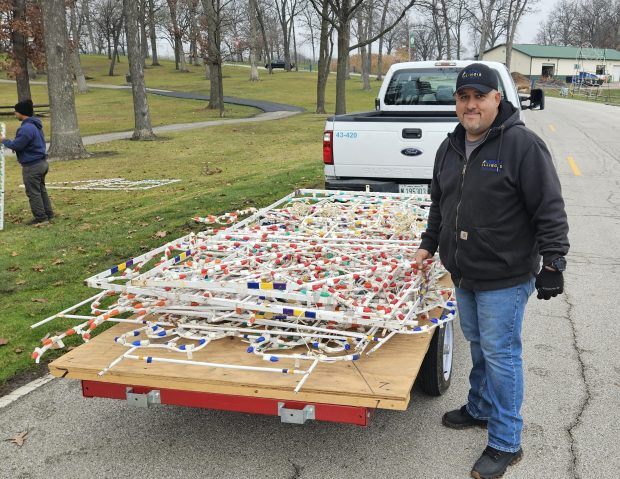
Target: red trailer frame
[289,411]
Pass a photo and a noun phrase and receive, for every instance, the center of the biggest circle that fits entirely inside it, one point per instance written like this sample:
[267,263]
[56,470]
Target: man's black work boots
[493,463]
[461,419]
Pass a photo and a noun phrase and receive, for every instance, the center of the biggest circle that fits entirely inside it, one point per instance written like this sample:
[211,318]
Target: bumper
[361,184]
[367,184]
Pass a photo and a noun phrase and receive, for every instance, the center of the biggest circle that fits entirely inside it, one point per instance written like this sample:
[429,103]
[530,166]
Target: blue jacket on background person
[29,142]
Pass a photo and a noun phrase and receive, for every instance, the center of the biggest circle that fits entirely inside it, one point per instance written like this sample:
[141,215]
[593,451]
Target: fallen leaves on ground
[18,439]
[39,268]
[39,300]
[14,253]
[4,341]
[20,282]
[58,283]
[18,350]
[13,268]
[58,261]
[160,234]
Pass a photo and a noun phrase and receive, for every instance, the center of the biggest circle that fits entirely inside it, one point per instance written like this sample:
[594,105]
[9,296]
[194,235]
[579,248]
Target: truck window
[433,86]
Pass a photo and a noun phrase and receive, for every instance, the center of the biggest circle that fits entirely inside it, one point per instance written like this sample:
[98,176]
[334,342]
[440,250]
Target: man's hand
[420,259]
[549,283]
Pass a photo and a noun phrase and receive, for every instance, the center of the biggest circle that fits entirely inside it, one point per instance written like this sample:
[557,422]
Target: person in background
[29,146]
[496,208]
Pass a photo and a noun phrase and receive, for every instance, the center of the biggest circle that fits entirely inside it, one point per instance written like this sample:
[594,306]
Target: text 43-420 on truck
[392,149]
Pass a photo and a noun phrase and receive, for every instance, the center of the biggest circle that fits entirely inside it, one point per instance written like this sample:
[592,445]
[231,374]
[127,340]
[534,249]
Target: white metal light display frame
[318,276]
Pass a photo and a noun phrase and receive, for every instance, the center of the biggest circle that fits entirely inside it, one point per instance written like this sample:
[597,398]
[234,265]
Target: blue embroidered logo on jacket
[492,165]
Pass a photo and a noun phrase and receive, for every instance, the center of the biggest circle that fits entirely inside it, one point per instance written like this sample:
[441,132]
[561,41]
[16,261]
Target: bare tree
[516,8]
[20,56]
[89,24]
[326,47]
[66,142]
[384,11]
[213,12]
[459,16]
[286,10]
[253,14]
[177,34]
[343,12]
[142,129]
[152,33]
[74,44]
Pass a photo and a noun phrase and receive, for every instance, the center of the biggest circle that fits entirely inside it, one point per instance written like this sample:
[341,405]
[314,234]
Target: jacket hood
[34,121]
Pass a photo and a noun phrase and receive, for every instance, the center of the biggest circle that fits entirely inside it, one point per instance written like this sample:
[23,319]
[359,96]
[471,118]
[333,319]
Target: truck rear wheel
[436,370]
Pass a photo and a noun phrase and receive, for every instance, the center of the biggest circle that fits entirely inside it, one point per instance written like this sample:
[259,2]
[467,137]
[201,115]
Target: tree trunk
[172,6]
[89,25]
[342,66]
[214,58]
[82,87]
[193,33]
[324,59]
[66,142]
[487,11]
[380,54]
[116,35]
[252,9]
[142,130]
[154,59]
[446,25]
[517,8]
[20,56]
[144,44]
[295,47]
[363,36]
[261,24]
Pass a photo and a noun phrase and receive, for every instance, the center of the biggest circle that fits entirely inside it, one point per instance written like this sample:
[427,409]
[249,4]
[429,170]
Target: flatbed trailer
[344,392]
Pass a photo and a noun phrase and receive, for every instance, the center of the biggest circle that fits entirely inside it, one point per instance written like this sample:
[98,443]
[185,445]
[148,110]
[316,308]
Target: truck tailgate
[383,149]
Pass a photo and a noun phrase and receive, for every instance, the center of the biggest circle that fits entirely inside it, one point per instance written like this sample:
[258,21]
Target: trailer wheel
[436,370]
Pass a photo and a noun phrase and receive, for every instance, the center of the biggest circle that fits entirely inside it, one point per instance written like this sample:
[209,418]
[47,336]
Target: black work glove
[549,283]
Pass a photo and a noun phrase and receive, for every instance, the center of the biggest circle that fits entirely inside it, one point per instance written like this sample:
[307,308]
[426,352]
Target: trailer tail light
[328,150]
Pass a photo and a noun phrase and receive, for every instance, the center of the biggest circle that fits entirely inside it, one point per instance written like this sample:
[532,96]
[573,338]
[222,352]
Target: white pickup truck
[393,148]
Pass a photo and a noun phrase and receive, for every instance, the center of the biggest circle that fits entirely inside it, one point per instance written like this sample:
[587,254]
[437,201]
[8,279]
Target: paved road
[572,379]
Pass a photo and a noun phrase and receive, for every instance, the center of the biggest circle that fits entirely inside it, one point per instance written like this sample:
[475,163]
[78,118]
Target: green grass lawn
[295,88]
[605,95]
[42,269]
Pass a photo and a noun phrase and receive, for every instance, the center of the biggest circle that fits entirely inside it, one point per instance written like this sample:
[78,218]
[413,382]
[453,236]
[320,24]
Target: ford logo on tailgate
[411,152]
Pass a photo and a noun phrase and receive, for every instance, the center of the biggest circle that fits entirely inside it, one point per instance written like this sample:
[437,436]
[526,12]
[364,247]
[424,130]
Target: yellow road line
[552,128]
[573,166]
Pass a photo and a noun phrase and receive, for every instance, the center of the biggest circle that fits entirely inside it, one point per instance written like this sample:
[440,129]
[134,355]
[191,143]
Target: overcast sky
[529,25]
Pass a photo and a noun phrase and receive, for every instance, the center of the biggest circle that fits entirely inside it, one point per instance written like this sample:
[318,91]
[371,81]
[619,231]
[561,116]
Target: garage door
[615,72]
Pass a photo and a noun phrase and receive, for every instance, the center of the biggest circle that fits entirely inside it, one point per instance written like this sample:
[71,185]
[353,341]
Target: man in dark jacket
[496,208]
[29,146]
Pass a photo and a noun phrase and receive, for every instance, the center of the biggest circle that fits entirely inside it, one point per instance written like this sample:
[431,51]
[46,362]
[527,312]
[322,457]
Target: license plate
[413,189]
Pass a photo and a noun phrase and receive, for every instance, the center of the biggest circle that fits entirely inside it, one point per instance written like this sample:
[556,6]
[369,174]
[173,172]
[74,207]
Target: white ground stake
[3,131]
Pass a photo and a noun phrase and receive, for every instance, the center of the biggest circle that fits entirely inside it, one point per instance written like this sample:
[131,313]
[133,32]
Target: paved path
[271,111]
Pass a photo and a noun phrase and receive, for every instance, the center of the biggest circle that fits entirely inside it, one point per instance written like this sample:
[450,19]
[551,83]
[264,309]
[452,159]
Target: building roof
[550,51]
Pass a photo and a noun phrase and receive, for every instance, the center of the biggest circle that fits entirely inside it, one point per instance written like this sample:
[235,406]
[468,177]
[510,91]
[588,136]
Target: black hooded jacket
[494,215]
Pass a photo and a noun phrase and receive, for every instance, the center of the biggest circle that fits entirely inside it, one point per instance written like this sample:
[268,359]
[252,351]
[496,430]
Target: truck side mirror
[377,104]
[536,99]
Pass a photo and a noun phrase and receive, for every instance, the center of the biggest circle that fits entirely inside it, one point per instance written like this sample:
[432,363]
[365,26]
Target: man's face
[19,116]
[476,110]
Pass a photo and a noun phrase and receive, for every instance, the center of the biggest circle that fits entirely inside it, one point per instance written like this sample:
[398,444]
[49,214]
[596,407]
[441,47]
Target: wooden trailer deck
[382,380]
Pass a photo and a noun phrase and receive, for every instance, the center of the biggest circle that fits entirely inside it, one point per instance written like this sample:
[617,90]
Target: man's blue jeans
[491,322]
